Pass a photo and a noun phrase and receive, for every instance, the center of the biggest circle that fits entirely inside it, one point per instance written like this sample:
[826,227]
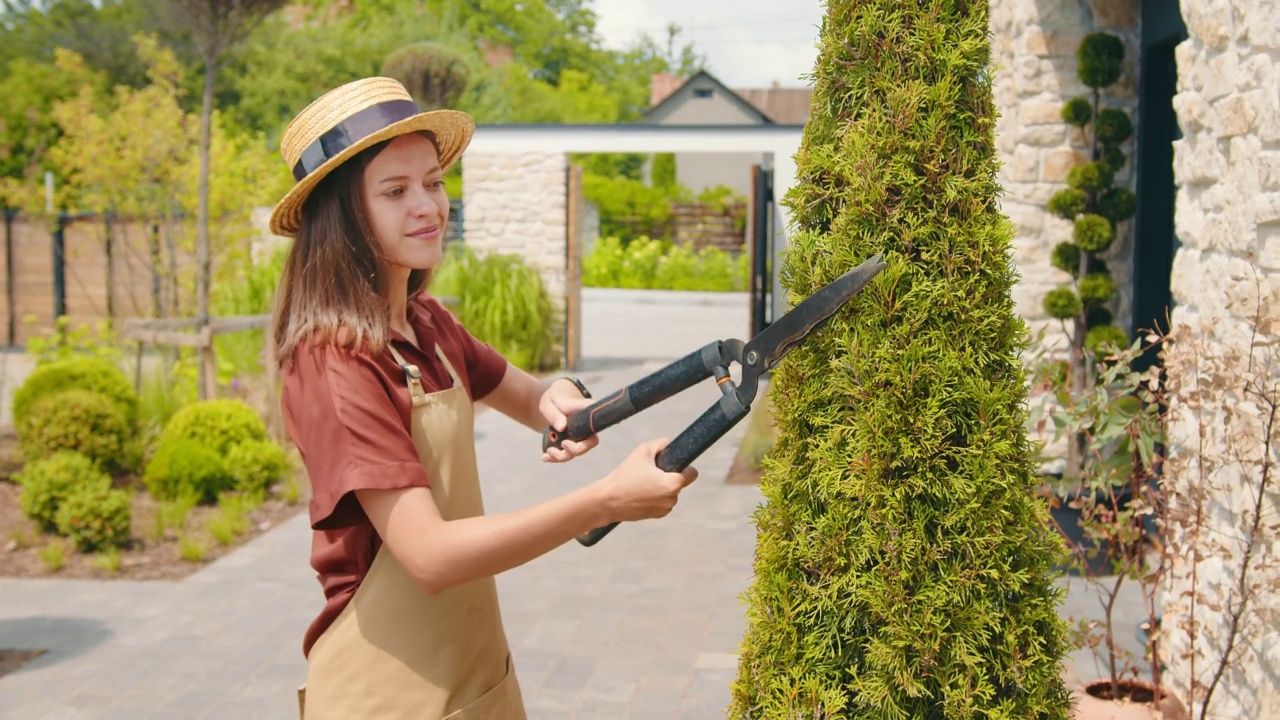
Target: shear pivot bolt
[752,357]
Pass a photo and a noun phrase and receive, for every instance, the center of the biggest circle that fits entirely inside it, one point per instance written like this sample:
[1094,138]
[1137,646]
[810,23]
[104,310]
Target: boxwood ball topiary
[256,464]
[1117,204]
[1068,203]
[903,566]
[1099,59]
[186,468]
[1097,288]
[1113,126]
[1066,257]
[85,421]
[1090,176]
[96,374]
[48,482]
[1062,303]
[1105,339]
[215,424]
[1093,233]
[1077,111]
[96,517]
[1098,315]
[1113,157]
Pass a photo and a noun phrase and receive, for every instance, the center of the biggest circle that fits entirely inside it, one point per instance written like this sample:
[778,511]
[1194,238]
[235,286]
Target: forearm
[459,551]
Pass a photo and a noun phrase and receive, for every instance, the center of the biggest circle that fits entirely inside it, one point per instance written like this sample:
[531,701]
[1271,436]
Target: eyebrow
[406,178]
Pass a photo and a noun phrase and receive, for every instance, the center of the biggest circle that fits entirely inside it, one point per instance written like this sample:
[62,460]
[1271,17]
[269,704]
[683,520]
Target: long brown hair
[328,290]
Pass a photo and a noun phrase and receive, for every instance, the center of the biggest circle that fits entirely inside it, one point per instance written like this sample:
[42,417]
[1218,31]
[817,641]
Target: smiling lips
[425,233]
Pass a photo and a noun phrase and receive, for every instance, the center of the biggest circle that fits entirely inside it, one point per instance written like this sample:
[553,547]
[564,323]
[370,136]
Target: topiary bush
[1094,207]
[48,482]
[96,517]
[904,567]
[214,424]
[185,468]
[256,464]
[83,421]
[89,373]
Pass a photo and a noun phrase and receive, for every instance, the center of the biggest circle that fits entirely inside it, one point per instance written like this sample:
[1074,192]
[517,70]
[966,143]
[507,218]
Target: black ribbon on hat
[355,128]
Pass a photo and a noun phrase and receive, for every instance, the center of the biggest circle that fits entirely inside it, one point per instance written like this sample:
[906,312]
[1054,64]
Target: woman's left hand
[559,401]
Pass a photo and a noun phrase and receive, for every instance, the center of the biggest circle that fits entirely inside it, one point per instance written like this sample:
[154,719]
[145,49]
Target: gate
[760,245]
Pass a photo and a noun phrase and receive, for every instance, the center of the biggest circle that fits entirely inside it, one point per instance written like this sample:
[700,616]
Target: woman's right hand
[638,490]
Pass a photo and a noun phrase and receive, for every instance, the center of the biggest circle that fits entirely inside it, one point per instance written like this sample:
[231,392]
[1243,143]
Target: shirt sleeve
[349,432]
[485,365]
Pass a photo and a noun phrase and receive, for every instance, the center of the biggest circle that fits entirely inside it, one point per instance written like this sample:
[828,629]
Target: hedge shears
[756,357]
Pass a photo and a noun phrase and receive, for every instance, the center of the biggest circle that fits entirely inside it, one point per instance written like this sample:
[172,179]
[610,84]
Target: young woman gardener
[379,382]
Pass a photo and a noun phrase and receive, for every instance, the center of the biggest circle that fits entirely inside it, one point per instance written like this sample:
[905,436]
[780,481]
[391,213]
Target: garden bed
[149,554]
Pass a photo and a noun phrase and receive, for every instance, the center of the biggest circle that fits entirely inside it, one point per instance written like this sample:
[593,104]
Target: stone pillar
[1034,56]
[516,203]
[1227,168]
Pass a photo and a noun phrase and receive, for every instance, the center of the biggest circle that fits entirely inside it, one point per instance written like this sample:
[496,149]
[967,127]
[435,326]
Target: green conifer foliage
[903,567]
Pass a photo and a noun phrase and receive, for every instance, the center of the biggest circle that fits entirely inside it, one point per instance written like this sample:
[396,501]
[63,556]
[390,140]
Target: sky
[747,43]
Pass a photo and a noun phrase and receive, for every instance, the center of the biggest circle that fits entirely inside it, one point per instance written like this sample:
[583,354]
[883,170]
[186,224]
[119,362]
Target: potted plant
[1121,504]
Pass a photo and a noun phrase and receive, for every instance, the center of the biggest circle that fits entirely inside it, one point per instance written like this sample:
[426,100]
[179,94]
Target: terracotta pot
[1093,702]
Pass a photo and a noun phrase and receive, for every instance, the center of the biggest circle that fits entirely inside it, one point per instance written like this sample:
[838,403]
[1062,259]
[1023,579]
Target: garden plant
[904,568]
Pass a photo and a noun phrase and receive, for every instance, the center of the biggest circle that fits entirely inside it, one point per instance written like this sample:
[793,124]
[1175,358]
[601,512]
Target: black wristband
[578,383]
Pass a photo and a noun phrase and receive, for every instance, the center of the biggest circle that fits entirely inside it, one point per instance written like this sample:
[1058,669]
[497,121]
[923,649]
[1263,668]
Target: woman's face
[403,190]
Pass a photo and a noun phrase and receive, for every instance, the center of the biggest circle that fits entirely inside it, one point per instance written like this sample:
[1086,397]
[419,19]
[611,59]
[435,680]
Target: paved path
[643,625]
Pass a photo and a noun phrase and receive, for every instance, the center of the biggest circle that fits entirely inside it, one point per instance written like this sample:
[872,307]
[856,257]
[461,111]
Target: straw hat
[348,119]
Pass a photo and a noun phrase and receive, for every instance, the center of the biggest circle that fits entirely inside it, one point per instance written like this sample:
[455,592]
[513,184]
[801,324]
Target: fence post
[59,268]
[11,322]
[208,364]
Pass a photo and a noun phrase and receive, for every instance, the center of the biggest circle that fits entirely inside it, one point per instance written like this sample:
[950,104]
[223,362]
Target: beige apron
[396,652]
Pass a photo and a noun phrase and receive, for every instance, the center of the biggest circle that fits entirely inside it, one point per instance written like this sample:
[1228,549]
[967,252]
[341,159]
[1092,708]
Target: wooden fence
[707,225]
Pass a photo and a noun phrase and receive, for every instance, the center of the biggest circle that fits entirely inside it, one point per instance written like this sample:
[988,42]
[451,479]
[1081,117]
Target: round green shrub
[1066,257]
[1113,126]
[1099,59]
[256,464]
[1117,204]
[1078,112]
[1093,233]
[1113,157]
[96,517]
[1068,203]
[1062,303]
[182,467]
[96,374]
[85,421]
[215,424]
[1105,338]
[1097,288]
[1090,176]
[48,482]
[1098,315]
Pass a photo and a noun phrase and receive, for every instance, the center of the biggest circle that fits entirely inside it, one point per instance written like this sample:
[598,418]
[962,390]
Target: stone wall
[1033,51]
[1225,275]
[516,203]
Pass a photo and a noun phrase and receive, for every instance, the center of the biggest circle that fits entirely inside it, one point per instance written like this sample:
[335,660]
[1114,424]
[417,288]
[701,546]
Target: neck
[397,296]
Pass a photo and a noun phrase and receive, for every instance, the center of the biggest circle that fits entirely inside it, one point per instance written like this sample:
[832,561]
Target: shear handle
[645,392]
[688,445]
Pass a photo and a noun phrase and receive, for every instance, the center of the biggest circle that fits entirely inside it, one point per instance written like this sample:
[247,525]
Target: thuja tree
[1094,207]
[903,567]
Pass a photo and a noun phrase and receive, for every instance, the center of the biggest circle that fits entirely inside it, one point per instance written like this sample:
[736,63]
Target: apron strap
[411,373]
[457,382]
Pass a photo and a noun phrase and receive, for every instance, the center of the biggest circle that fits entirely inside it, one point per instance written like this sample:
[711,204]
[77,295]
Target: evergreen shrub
[48,482]
[217,425]
[183,468]
[87,373]
[904,567]
[96,517]
[83,421]
[256,464]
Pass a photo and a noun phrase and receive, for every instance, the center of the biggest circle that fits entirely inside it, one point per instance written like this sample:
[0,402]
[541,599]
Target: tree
[435,74]
[904,568]
[217,26]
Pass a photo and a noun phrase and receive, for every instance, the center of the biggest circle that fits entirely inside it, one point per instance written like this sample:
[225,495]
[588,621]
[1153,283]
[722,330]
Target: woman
[378,386]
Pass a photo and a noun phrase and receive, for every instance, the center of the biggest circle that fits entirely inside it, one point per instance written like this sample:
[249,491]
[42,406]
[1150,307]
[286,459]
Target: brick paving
[643,625]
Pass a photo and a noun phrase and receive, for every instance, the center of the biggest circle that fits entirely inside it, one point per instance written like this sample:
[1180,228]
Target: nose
[424,205]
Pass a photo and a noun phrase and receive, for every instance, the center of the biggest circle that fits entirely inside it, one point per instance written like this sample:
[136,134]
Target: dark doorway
[760,247]
[1155,239]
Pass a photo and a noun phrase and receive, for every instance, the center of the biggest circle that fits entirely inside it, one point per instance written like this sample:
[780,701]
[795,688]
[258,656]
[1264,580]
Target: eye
[435,184]
[394,192]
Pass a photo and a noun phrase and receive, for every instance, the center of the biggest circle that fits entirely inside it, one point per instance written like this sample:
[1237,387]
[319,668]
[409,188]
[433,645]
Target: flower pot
[1135,702]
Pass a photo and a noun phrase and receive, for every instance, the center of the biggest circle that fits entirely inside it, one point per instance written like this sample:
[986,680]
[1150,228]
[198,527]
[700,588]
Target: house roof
[684,91]
[784,106]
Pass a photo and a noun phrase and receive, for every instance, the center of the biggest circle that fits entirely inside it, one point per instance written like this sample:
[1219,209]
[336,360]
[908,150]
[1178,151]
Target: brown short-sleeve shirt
[348,414]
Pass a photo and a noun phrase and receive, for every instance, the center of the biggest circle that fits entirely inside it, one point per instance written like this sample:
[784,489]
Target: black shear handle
[687,446]
[648,390]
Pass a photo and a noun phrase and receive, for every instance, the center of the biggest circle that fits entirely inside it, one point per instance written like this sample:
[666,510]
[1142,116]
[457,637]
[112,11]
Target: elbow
[431,578]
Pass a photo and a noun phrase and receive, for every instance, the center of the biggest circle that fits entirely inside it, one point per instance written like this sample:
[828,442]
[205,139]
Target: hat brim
[452,131]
